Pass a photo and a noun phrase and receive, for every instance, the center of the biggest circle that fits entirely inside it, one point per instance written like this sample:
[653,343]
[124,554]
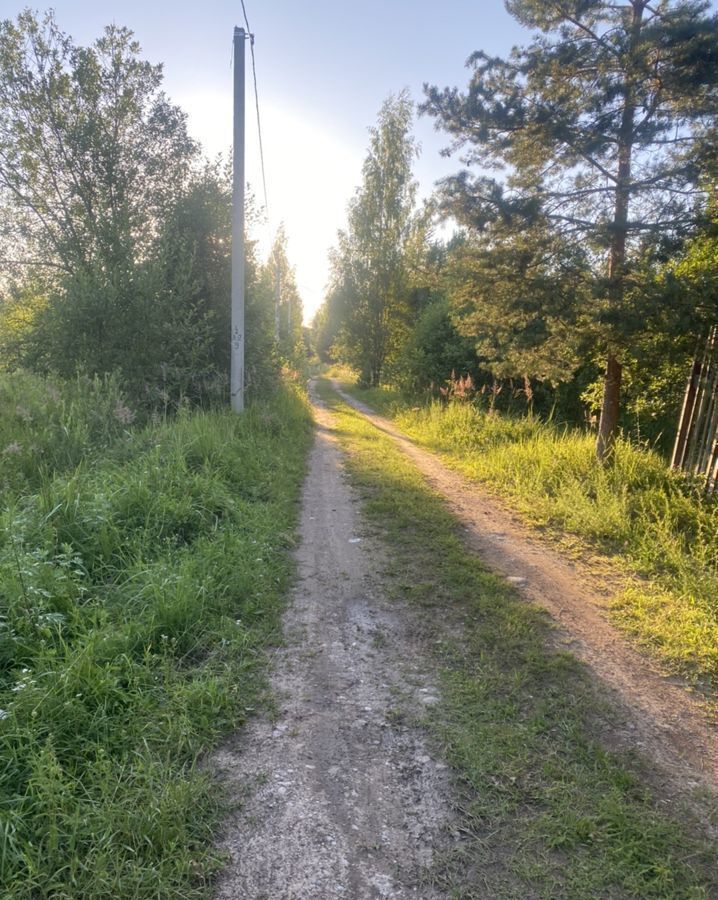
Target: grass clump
[656,522]
[138,594]
[545,810]
[49,425]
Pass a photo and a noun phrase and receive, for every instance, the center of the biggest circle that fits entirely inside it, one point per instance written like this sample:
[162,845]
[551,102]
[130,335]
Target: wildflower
[124,414]
[13,448]
[24,414]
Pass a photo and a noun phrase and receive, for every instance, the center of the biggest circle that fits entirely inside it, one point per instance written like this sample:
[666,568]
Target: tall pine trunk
[610,410]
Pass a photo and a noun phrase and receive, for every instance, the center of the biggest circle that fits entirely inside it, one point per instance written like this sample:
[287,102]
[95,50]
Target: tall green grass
[48,425]
[137,594]
[658,523]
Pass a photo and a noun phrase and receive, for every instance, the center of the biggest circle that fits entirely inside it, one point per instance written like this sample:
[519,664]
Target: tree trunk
[619,235]
[608,426]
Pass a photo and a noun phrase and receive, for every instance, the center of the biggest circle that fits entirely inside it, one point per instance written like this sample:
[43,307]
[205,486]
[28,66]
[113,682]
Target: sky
[324,67]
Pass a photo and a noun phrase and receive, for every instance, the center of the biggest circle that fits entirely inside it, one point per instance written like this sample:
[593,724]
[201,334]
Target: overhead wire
[256,103]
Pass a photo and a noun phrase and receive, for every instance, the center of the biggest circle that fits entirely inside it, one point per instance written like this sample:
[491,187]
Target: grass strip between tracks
[644,519]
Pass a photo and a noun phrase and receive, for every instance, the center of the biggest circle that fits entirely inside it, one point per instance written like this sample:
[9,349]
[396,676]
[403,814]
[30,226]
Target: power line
[256,103]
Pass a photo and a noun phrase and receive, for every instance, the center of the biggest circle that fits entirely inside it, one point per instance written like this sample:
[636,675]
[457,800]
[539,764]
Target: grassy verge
[653,523]
[138,596]
[547,812]
[48,426]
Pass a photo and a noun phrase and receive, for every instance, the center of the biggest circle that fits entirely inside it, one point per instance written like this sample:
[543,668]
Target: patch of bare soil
[657,716]
[339,795]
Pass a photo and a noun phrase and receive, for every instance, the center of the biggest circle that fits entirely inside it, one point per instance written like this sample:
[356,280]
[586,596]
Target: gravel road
[344,798]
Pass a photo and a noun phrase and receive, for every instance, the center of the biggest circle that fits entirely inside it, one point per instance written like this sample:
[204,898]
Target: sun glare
[311,174]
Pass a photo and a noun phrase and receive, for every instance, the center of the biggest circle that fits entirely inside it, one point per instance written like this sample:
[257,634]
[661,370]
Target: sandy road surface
[659,717]
[345,800]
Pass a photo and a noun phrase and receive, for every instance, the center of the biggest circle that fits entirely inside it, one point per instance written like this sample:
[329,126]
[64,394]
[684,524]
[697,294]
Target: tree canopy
[116,234]
[371,261]
[595,131]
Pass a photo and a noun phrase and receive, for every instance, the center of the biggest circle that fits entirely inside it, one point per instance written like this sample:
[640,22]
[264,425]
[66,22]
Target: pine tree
[598,124]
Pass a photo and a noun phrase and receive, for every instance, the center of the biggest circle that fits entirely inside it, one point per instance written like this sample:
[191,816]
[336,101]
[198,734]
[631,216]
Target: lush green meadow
[652,522]
[142,571]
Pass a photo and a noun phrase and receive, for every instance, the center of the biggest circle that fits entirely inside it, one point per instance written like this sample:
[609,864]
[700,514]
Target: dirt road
[661,719]
[345,800]
[338,795]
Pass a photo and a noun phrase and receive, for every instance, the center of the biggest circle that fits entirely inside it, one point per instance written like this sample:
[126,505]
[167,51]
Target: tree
[92,154]
[94,162]
[372,257]
[598,123]
[282,283]
[117,237]
[520,295]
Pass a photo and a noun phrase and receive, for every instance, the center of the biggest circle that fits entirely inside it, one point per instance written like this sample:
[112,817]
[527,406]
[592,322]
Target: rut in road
[659,717]
[345,799]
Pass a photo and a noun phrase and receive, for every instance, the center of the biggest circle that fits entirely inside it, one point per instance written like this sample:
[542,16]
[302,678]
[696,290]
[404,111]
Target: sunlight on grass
[545,811]
[654,521]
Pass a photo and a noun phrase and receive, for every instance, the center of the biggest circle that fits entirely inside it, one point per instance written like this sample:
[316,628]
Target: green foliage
[279,282]
[522,299]
[138,596]
[144,325]
[367,315]
[92,155]
[689,281]
[596,128]
[50,425]
[117,241]
[433,350]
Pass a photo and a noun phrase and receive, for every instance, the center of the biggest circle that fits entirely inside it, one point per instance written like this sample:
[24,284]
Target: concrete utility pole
[236,378]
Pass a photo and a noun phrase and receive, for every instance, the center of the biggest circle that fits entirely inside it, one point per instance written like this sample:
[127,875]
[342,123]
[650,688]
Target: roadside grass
[48,426]
[138,594]
[652,522]
[545,812]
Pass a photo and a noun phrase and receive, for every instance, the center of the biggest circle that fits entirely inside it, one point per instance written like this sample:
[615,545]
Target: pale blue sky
[323,69]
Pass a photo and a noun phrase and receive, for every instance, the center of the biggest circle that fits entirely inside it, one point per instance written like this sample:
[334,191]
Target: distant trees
[598,126]
[115,236]
[281,283]
[372,260]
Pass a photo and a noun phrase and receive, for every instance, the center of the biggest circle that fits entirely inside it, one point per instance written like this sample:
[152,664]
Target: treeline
[584,262]
[115,231]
